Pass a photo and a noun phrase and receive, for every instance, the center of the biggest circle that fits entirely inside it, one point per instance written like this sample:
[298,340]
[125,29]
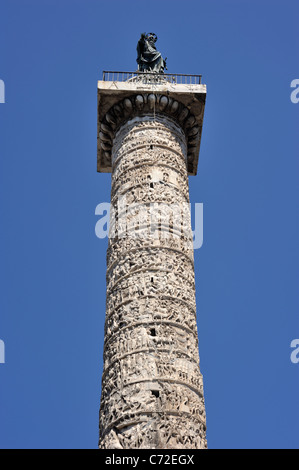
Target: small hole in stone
[155,393]
[152,279]
[153,332]
[151,147]
[151,185]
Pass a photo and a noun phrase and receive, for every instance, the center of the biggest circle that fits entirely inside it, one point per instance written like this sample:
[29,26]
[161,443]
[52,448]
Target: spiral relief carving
[152,388]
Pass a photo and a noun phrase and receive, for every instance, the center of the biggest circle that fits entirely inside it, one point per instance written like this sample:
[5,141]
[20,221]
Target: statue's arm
[140,46]
[139,50]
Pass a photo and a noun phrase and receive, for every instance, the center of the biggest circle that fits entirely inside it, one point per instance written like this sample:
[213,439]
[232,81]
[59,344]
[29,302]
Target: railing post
[153,77]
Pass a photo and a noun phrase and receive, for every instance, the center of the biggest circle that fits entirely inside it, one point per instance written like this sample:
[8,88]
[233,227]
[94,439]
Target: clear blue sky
[52,269]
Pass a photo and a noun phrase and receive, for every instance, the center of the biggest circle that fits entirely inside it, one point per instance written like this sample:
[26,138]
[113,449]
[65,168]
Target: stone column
[152,390]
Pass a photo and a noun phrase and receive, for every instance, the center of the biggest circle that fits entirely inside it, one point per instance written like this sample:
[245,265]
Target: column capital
[119,102]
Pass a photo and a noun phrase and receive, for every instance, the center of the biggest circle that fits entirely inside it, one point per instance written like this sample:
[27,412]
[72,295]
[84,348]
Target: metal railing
[152,77]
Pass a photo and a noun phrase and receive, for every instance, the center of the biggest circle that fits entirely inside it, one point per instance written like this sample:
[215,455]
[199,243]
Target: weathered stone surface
[152,388]
[120,101]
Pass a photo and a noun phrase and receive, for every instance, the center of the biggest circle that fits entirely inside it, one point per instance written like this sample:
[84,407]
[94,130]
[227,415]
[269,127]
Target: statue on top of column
[148,58]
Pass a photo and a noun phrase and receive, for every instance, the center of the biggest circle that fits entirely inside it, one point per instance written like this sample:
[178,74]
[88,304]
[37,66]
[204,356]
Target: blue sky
[52,268]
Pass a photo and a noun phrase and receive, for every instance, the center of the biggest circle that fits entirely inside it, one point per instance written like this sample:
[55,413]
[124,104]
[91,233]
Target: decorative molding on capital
[122,101]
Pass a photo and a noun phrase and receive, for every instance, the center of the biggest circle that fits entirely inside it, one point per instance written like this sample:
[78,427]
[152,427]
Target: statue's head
[152,37]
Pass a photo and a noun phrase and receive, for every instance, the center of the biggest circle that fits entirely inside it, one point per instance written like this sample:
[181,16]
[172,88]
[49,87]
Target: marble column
[152,387]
